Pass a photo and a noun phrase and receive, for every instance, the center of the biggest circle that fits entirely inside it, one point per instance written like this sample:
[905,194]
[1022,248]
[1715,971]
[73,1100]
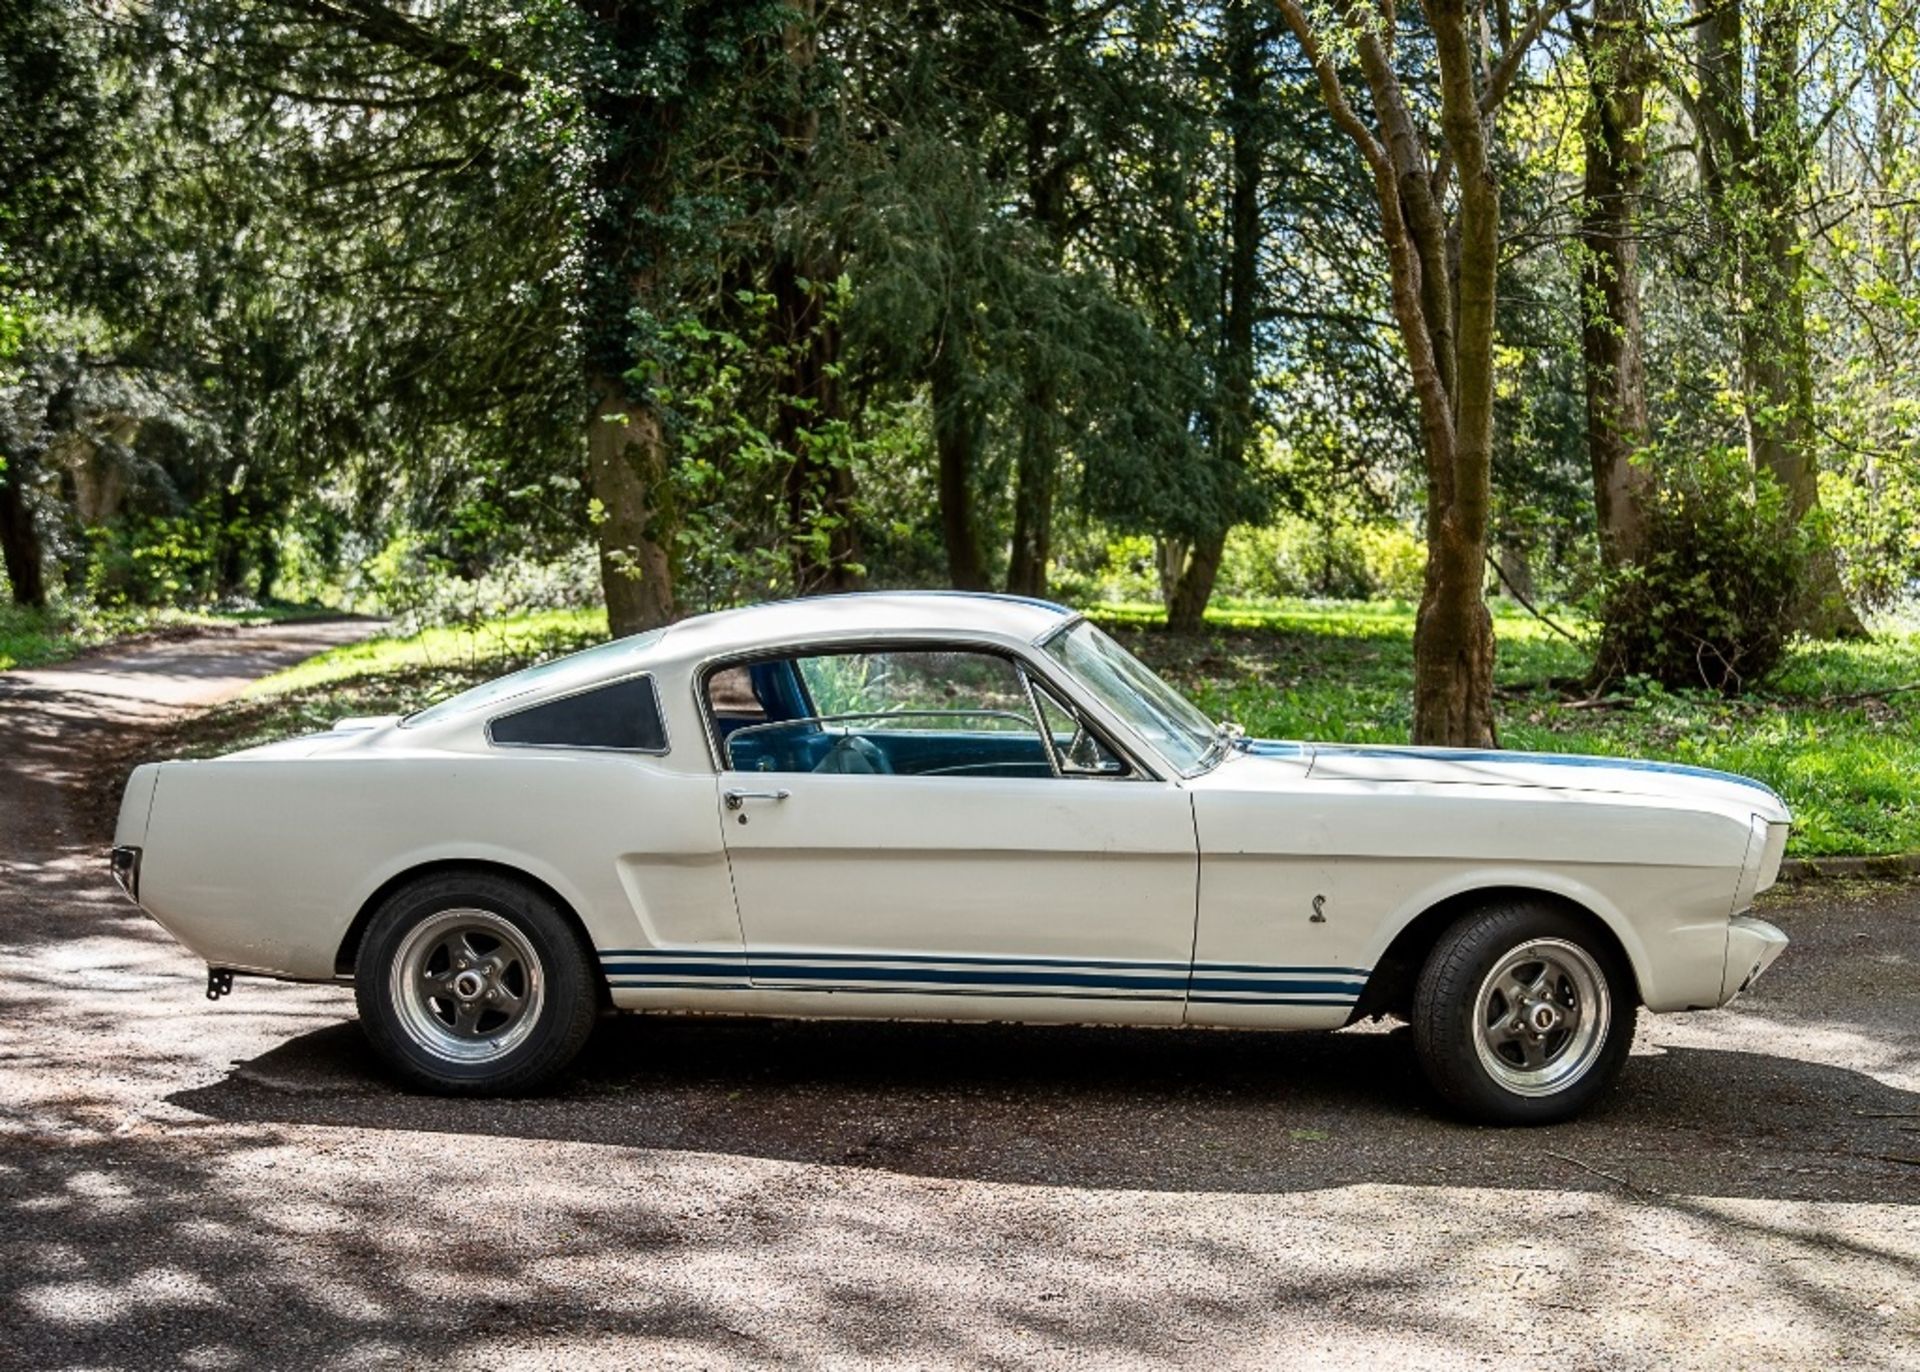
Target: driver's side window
[911,712]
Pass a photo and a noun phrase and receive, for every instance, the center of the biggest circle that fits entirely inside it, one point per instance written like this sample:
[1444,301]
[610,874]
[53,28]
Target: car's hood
[1557,771]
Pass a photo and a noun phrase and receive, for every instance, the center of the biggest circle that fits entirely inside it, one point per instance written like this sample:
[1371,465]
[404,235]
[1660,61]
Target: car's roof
[882,613]
[889,614]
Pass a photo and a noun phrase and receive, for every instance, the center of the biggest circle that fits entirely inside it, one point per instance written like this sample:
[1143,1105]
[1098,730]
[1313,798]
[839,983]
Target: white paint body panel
[1156,899]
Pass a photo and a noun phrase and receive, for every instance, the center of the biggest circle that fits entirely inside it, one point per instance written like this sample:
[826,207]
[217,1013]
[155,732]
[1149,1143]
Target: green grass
[33,638]
[1335,672]
[442,657]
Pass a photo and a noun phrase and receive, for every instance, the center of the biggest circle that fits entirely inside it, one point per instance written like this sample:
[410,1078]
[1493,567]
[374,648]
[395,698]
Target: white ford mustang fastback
[947,806]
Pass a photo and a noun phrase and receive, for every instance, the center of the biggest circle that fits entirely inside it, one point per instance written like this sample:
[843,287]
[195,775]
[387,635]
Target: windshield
[1126,686]
[582,666]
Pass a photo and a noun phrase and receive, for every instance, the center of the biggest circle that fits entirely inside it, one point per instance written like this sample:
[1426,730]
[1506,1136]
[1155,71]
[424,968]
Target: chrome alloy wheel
[467,985]
[1541,1017]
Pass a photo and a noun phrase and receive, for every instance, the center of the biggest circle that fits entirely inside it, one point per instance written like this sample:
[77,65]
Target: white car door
[903,835]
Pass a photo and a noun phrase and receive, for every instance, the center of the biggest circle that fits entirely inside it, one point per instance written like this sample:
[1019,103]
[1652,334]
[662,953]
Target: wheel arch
[346,958]
[1389,987]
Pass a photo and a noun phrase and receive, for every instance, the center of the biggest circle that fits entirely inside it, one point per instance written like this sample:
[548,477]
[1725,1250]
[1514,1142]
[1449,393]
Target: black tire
[535,954]
[1485,1059]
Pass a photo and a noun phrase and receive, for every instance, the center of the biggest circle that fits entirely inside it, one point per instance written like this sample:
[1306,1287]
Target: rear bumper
[126,870]
[1752,945]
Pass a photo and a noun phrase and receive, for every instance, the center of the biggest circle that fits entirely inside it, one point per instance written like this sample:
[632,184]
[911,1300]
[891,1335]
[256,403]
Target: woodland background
[1567,351]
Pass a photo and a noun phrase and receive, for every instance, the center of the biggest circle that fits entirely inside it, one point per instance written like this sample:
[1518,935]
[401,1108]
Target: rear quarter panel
[261,865]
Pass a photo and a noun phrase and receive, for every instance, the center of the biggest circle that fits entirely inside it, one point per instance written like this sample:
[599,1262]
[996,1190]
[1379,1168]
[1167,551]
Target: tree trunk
[20,539]
[1612,335]
[819,483]
[1034,471]
[956,434]
[1187,604]
[626,258]
[1442,270]
[627,474]
[1234,414]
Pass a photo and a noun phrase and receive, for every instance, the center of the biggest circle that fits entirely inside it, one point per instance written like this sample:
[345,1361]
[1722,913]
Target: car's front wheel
[470,984]
[1523,1014]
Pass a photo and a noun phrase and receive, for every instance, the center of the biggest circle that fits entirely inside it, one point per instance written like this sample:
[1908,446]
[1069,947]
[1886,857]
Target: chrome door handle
[735,799]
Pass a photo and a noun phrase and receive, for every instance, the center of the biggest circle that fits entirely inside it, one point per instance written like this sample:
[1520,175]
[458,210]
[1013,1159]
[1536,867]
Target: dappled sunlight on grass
[451,648]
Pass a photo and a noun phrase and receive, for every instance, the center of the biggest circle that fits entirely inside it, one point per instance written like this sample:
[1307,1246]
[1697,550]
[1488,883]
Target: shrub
[1710,602]
[1396,561]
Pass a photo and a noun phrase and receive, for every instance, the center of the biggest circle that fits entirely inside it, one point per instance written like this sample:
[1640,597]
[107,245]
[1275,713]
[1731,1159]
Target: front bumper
[1752,945]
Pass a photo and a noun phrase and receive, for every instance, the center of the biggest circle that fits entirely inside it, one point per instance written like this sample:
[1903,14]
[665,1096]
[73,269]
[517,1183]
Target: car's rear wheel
[1523,1014]
[471,984]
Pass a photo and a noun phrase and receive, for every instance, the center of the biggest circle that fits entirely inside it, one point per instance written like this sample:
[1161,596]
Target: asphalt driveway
[236,1185]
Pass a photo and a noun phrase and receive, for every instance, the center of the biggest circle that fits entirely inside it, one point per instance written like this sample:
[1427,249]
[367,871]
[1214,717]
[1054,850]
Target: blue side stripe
[679,958]
[971,976]
[656,984]
[644,984]
[1234,983]
[781,955]
[1268,969]
[1277,985]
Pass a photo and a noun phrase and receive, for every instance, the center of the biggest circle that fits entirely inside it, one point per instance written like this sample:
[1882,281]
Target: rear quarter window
[624,715]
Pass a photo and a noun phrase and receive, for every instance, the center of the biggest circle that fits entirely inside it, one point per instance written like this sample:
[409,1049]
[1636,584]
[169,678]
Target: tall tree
[1444,260]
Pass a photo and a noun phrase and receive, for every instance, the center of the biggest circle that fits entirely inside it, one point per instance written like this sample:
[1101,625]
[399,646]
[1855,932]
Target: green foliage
[721,387]
[1331,560]
[1710,602]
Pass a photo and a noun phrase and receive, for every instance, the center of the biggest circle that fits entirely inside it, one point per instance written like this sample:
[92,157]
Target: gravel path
[236,1186]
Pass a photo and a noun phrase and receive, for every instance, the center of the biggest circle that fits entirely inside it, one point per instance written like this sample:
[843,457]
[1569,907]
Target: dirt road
[234,1185]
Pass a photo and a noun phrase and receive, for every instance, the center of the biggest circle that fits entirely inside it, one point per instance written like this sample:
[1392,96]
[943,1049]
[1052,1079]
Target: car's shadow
[1122,1108]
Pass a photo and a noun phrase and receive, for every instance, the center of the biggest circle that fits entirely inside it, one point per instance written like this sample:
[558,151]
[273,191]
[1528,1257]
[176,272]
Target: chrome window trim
[1145,764]
[659,711]
[1054,631]
[1209,759]
[1036,684]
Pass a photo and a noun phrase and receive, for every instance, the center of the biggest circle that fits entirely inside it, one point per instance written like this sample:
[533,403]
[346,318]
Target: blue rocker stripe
[1144,977]
[837,989]
[661,984]
[1268,969]
[970,976]
[964,976]
[1348,988]
[961,976]
[786,955]
[679,958]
